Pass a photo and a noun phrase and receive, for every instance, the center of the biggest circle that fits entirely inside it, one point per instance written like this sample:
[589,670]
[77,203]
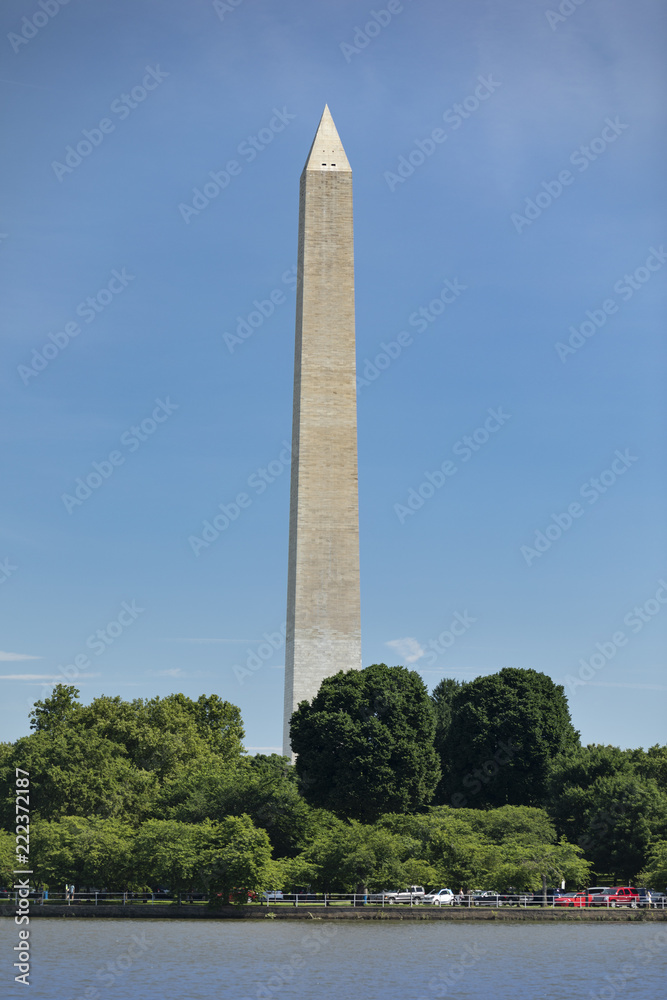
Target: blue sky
[510,240]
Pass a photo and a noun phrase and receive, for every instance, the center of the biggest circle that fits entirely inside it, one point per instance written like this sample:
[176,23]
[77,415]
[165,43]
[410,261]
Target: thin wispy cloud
[29,677]
[17,656]
[408,648]
[634,687]
[211,640]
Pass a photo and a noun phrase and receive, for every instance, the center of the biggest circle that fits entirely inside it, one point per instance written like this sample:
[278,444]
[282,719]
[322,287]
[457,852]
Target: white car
[443,897]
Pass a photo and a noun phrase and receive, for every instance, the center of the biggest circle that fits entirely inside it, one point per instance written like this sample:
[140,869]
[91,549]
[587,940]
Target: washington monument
[323,616]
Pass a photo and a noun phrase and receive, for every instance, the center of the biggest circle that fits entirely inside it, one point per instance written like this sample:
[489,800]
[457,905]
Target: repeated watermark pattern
[122,107]
[591,490]
[565,9]
[259,481]
[635,620]
[311,943]
[475,780]
[222,7]
[249,149]
[454,117]
[256,658]
[458,626]
[261,311]
[362,37]
[97,642]
[618,981]
[464,449]
[420,320]
[7,569]
[582,157]
[32,25]
[114,969]
[451,978]
[88,310]
[625,287]
[131,440]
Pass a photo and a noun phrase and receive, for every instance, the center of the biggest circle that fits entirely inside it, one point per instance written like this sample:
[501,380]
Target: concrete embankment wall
[137,911]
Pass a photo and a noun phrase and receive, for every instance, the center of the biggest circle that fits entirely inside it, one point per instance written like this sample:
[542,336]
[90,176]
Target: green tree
[581,766]
[123,759]
[346,855]
[442,696]
[654,873]
[365,744]
[75,773]
[89,852]
[265,788]
[240,858]
[7,858]
[208,857]
[534,866]
[163,735]
[615,819]
[59,710]
[171,854]
[651,763]
[473,848]
[506,732]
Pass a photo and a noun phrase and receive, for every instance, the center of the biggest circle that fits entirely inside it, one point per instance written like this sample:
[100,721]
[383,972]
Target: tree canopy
[505,732]
[364,744]
[158,792]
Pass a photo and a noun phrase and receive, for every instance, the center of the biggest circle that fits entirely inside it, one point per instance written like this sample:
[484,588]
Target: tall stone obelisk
[323,616]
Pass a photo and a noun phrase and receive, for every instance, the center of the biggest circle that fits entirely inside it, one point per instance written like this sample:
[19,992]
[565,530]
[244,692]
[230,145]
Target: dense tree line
[482,784]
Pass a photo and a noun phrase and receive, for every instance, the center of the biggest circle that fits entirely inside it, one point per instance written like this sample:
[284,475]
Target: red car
[574,899]
[623,896]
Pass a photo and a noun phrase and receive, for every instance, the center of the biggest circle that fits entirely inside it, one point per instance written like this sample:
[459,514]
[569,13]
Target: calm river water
[188,960]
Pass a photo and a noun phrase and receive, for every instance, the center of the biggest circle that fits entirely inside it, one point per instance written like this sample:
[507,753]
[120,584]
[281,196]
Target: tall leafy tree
[74,772]
[345,855]
[7,858]
[474,848]
[365,744]
[506,732]
[89,852]
[214,858]
[654,872]
[265,788]
[615,819]
[56,711]
[442,696]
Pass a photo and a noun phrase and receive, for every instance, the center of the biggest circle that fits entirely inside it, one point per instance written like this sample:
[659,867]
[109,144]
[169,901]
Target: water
[79,959]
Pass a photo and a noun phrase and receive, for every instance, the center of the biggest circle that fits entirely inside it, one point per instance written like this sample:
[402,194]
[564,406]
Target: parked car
[441,897]
[241,895]
[617,896]
[573,899]
[413,894]
[552,896]
[272,894]
[488,898]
